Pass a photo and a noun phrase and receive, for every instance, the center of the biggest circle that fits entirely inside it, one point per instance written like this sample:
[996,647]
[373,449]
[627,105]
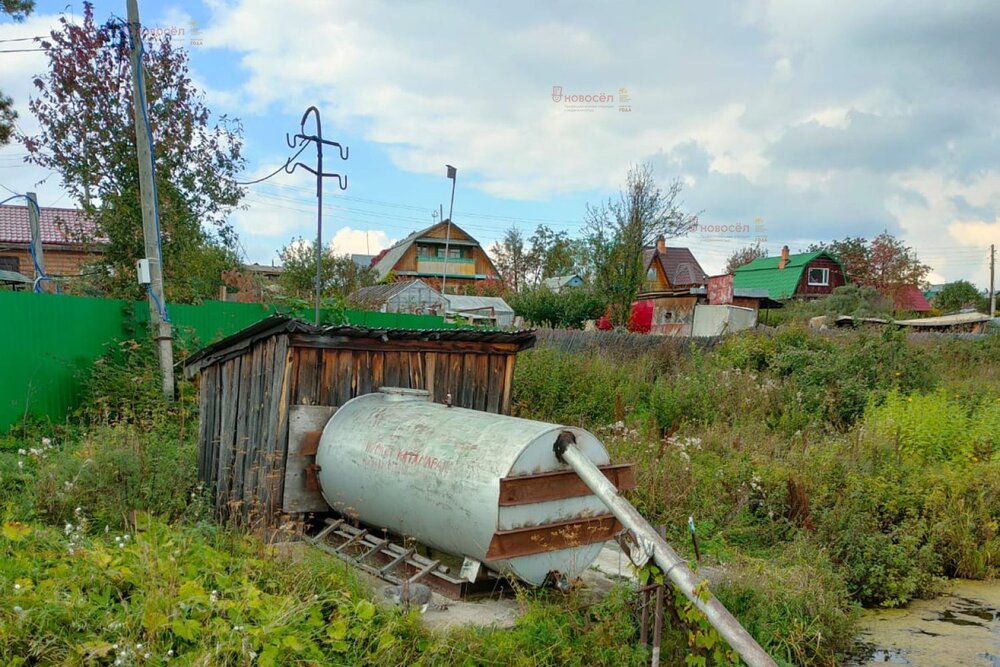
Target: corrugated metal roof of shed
[283,324]
[465,302]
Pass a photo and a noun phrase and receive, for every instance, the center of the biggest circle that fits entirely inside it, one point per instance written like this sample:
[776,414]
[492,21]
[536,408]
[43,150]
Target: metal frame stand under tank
[393,563]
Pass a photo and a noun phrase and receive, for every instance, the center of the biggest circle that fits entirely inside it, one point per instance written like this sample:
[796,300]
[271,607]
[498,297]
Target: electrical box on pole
[150,219]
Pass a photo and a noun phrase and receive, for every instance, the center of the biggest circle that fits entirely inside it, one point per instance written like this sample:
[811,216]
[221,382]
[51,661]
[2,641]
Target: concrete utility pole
[993,286]
[150,224]
[38,259]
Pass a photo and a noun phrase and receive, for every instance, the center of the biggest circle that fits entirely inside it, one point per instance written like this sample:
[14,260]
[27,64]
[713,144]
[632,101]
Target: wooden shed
[266,391]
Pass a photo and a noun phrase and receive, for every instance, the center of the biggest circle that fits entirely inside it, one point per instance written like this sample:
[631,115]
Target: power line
[276,171]
[22,39]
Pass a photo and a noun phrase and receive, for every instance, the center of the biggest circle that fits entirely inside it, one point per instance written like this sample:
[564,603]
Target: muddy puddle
[960,627]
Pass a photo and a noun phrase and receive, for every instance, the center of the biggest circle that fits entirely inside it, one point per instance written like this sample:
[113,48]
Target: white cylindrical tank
[396,460]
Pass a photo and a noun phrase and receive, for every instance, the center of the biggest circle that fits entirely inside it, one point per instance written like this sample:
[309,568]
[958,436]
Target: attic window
[819,277]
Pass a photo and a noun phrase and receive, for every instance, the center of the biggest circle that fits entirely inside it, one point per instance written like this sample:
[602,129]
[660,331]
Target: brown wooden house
[441,253]
[671,273]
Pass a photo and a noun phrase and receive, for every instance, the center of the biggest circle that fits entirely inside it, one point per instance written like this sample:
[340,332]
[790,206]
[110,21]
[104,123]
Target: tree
[340,275]
[87,136]
[744,256]
[566,309]
[619,229]
[17,10]
[883,263]
[958,295]
[511,258]
[550,254]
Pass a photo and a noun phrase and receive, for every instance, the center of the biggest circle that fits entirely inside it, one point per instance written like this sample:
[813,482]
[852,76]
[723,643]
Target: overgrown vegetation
[824,471]
[109,556]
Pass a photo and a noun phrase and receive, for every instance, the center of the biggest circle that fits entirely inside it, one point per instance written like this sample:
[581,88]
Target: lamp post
[453,175]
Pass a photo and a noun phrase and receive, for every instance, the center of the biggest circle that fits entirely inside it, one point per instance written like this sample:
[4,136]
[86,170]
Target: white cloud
[360,241]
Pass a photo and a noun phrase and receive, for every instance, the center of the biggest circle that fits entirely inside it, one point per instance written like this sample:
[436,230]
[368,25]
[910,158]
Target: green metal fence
[48,342]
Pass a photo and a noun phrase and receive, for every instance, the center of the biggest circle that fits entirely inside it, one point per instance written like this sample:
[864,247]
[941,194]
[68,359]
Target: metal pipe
[657,627]
[666,558]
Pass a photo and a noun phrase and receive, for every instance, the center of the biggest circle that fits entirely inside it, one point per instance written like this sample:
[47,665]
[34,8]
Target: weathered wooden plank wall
[244,404]
[334,376]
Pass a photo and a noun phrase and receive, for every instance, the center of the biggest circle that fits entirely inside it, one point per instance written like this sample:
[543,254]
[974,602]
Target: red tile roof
[909,297]
[59,226]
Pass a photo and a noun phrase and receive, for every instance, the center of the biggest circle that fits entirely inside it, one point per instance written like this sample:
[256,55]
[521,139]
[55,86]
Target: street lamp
[453,175]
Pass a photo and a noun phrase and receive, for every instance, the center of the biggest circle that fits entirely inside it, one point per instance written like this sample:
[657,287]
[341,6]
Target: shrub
[115,471]
[569,308]
[874,531]
[937,426]
[796,604]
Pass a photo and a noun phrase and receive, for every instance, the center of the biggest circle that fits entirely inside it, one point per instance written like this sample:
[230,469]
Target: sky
[792,121]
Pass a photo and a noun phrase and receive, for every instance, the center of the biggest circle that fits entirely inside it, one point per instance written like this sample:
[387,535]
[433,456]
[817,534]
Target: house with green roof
[805,275]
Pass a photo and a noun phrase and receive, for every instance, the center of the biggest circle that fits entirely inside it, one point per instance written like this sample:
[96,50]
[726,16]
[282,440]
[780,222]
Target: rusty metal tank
[483,486]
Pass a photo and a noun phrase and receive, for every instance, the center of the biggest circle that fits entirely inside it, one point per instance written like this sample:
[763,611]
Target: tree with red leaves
[87,136]
[884,263]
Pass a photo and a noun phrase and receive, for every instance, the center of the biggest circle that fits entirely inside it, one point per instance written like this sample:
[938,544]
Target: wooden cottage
[665,296]
[266,391]
[442,253]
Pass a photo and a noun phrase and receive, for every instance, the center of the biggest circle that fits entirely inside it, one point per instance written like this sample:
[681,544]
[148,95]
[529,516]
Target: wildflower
[17,587]
[68,529]
[214,597]
[114,647]
[170,652]
[22,452]
[20,464]
[46,441]
[18,610]
[77,510]
[147,655]
[138,647]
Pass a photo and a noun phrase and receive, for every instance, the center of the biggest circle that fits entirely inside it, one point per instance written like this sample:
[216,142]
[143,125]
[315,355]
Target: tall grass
[862,466]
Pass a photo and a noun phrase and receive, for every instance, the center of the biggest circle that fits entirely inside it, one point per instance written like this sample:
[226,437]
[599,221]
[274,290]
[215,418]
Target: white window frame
[825,280]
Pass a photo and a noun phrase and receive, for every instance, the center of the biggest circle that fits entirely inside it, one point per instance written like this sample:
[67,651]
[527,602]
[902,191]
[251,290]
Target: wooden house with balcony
[441,255]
